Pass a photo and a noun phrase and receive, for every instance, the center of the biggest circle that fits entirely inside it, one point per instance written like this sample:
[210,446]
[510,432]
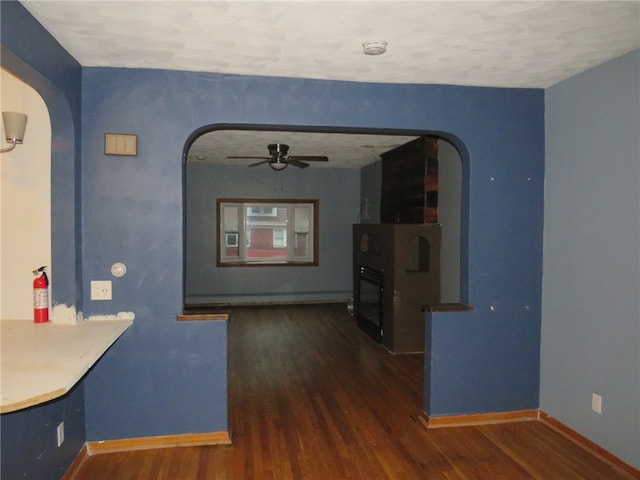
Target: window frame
[291,231]
[280,241]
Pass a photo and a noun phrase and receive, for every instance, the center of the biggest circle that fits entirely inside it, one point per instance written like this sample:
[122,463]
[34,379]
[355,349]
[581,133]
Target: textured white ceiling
[483,43]
[486,43]
[345,150]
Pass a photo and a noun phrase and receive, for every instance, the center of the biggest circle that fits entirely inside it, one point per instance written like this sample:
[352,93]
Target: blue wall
[482,361]
[591,287]
[28,438]
[29,52]
[132,213]
[331,280]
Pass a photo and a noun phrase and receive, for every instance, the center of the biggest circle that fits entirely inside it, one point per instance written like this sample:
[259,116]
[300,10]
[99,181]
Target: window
[267,232]
[263,211]
[280,237]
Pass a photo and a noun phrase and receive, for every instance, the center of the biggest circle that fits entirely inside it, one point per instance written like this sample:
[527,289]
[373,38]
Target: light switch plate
[120,144]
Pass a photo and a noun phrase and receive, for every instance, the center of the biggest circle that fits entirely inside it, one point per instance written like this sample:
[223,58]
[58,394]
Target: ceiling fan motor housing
[278,150]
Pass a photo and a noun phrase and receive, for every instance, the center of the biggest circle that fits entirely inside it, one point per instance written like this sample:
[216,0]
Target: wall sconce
[14,126]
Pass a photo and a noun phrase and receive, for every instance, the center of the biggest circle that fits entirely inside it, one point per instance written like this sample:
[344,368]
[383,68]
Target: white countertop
[41,362]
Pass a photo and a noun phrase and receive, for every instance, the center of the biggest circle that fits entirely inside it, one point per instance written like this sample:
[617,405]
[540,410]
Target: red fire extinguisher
[41,296]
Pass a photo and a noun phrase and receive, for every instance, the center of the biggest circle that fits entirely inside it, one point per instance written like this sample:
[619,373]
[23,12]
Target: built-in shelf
[410,182]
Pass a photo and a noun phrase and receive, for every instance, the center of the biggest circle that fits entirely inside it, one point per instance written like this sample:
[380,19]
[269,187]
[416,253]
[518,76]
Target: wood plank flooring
[312,397]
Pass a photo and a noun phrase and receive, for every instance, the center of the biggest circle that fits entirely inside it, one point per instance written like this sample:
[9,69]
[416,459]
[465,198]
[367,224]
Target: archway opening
[210,173]
[26,199]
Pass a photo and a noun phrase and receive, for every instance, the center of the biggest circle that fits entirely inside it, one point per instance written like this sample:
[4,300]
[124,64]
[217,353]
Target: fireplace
[369,301]
[396,271]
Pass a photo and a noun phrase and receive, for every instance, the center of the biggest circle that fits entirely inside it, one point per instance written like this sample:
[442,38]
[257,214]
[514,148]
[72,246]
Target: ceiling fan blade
[309,158]
[297,163]
[249,158]
[258,163]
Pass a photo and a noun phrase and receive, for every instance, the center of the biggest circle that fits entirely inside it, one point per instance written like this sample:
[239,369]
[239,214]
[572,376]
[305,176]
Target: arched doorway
[26,199]
[207,167]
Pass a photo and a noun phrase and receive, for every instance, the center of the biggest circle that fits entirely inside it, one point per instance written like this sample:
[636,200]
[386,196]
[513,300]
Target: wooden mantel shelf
[203,317]
[447,307]
[41,362]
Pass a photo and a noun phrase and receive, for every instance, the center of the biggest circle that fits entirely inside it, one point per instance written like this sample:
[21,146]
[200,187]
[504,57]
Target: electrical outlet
[60,433]
[101,290]
[596,403]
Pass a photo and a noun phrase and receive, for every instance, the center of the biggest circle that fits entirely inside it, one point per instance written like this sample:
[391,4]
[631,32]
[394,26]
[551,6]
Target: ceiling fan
[279,159]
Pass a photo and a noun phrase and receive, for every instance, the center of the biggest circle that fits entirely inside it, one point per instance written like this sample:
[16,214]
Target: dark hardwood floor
[312,397]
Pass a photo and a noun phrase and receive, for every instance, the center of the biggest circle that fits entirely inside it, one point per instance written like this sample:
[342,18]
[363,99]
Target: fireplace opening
[369,302]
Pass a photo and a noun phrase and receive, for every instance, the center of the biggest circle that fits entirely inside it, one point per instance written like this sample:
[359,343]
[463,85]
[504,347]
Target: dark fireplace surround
[396,264]
[370,301]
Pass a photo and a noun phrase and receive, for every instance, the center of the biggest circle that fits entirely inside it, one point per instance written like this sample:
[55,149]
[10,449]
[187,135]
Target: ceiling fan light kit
[278,165]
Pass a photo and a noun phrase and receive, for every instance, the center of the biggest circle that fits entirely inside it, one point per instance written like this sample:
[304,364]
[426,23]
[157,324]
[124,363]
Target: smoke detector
[374,47]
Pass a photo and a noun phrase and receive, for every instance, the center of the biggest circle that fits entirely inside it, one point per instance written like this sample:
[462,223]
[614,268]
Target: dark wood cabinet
[408,256]
[410,183]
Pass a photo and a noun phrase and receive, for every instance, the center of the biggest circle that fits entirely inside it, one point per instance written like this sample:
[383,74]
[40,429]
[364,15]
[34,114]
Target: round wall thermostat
[118,269]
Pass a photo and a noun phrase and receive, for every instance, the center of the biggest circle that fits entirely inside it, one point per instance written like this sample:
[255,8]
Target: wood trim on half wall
[166,441]
[478,418]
